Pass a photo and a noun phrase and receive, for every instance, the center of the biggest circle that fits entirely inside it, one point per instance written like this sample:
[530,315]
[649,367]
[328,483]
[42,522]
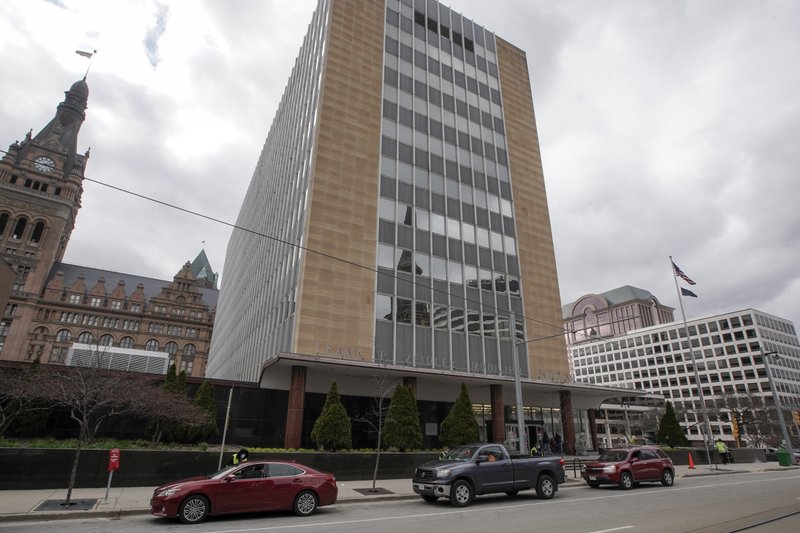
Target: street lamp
[777,399]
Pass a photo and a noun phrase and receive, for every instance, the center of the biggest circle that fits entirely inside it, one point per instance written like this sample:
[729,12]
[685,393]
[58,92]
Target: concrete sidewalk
[18,505]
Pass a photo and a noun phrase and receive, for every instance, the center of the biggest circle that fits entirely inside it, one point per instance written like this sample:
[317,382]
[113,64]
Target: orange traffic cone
[691,461]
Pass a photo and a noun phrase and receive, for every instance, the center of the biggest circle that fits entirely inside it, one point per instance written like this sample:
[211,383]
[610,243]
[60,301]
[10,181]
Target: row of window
[423,265]
[116,323]
[117,305]
[19,228]
[443,30]
[152,345]
[467,116]
[405,58]
[443,317]
[35,185]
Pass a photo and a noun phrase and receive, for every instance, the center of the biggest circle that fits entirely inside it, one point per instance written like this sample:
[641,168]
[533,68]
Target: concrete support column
[567,421]
[498,418]
[410,381]
[294,412]
[593,428]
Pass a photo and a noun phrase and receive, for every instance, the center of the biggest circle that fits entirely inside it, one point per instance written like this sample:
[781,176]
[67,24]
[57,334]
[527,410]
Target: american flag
[680,274]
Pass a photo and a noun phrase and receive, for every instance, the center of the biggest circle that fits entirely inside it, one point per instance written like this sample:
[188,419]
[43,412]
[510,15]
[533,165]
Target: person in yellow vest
[239,457]
[722,450]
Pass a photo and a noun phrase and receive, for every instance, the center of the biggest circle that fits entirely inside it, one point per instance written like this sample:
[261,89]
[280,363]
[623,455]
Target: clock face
[44,164]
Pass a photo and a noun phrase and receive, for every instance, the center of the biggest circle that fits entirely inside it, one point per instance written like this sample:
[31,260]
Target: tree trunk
[74,472]
[377,456]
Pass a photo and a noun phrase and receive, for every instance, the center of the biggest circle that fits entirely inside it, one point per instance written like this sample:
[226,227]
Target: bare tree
[756,427]
[17,395]
[376,414]
[93,394]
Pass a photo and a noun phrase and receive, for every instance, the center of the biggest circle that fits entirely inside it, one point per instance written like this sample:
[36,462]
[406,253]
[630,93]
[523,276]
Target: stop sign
[113,460]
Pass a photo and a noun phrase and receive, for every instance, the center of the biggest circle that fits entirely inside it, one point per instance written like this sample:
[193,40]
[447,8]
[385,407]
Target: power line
[305,248]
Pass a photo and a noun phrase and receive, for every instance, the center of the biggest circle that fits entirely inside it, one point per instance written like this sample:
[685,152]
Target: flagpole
[694,365]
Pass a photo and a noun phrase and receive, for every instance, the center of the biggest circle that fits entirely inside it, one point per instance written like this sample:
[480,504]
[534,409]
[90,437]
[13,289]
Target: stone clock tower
[41,182]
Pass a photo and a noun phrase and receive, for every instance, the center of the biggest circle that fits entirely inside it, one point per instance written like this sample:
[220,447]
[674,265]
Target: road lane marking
[612,529]
[483,509]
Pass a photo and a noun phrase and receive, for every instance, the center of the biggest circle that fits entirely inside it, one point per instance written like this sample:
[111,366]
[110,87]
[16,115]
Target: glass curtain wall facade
[449,274]
[257,302]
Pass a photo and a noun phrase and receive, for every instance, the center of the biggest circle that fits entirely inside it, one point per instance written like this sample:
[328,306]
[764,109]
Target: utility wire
[561,328]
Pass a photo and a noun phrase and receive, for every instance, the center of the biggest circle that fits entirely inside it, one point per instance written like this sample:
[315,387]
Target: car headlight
[168,492]
[609,469]
[443,473]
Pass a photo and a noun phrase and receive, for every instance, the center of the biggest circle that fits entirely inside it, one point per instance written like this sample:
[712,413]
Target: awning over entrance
[358,378]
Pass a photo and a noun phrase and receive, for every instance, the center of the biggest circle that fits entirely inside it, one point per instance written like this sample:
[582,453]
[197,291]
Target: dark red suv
[627,467]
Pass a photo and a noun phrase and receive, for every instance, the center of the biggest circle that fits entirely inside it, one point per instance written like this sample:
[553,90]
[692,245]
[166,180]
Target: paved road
[700,504]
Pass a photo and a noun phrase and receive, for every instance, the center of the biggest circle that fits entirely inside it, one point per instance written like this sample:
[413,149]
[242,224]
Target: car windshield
[613,456]
[462,453]
[221,473]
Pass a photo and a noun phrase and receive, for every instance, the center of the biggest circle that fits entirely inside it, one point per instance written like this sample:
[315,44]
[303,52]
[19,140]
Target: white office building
[729,351]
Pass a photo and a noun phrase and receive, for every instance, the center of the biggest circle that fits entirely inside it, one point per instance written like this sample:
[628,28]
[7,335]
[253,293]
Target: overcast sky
[667,127]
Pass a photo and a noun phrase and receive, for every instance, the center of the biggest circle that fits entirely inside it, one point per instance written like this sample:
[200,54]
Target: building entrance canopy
[358,378]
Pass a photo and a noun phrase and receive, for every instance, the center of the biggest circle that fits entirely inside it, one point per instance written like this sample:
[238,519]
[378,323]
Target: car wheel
[193,509]
[625,481]
[305,503]
[667,478]
[461,493]
[429,499]
[594,485]
[512,493]
[546,487]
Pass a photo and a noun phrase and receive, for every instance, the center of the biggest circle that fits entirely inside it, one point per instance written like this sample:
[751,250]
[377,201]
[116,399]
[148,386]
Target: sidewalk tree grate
[61,505]
[377,491]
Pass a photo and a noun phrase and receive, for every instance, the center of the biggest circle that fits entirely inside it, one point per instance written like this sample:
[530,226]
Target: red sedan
[246,488]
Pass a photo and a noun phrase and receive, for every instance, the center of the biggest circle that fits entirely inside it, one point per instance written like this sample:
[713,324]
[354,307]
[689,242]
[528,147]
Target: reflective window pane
[439,268]
[386,209]
[386,256]
[468,232]
[440,317]
[423,264]
[454,272]
[510,244]
[453,228]
[423,314]
[483,237]
[404,310]
[422,219]
[383,307]
[437,224]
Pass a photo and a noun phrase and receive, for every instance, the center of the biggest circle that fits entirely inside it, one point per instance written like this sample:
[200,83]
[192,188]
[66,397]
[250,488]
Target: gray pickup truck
[475,469]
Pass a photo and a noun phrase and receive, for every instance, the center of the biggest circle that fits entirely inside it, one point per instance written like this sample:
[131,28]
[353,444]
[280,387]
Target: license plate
[592,478]
[420,487]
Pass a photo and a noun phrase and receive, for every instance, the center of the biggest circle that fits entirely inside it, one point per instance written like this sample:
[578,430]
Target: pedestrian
[444,453]
[239,457]
[534,451]
[722,450]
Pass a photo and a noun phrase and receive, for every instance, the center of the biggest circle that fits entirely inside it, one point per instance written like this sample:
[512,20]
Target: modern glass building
[397,220]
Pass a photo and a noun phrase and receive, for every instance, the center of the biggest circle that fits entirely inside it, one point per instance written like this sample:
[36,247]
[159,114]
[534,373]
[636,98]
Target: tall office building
[725,352]
[396,219]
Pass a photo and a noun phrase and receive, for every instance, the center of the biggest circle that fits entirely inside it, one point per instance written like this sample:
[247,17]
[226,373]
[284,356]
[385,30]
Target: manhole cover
[61,505]
[373,492]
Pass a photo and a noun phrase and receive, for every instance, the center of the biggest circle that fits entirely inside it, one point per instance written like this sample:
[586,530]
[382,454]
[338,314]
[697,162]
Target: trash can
[783,457]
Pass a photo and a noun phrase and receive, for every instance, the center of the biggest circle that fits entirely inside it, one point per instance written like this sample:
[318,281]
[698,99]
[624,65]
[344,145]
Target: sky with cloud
[667,127]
